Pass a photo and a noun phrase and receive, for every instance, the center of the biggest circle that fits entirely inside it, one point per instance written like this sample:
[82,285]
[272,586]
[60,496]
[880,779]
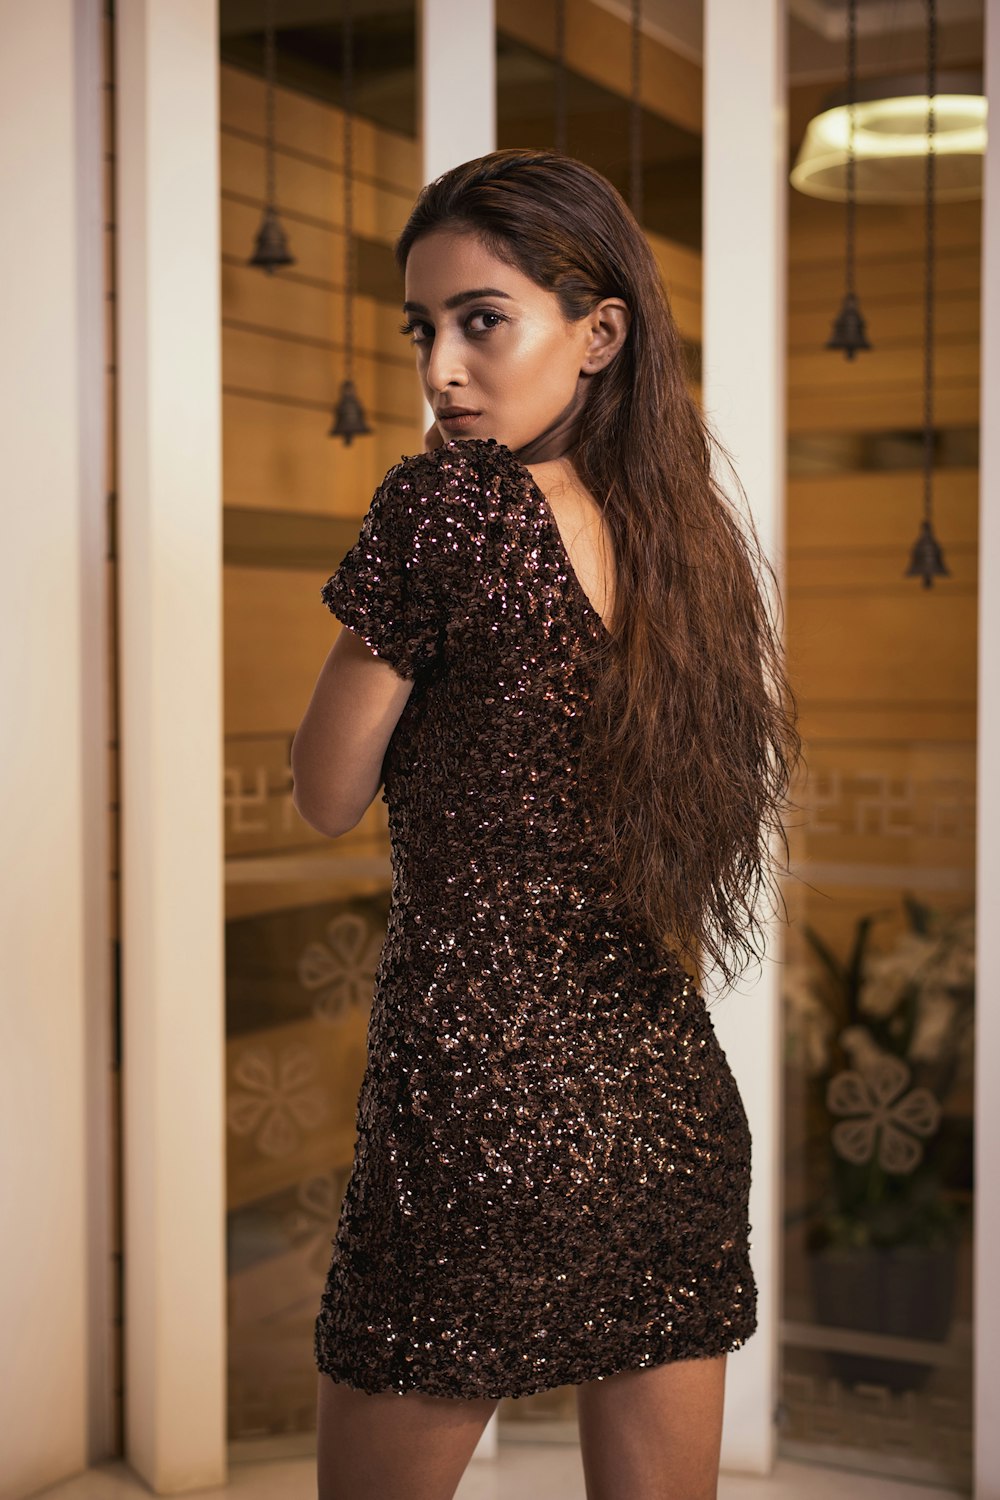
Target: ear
[608,327]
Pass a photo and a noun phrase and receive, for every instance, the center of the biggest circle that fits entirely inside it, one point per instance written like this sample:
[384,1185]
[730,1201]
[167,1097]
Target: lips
[456,411]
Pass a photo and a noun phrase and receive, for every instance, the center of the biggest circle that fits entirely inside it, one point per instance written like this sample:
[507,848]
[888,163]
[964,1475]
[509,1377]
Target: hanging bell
[271,248]
[349,417]
[927,560]
[849,329]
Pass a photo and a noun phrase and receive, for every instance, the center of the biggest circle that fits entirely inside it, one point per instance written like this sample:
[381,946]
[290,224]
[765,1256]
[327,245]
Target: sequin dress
[551,1175]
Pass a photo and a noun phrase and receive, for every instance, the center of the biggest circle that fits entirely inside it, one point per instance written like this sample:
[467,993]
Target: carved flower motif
[342,968]
[311,1225]
[277,1101]
[883,1116]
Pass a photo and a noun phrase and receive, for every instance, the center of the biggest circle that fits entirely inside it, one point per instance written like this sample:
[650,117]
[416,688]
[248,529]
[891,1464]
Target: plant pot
[906,1291]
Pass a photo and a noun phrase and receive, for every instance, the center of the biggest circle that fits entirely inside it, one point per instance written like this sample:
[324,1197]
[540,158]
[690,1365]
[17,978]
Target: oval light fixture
[891,141]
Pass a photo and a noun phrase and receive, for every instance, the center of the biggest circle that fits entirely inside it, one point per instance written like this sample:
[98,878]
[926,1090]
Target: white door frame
[170,661]
[743,369]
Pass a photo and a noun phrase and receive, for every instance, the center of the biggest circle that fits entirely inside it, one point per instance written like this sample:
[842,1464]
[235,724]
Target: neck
[560,438]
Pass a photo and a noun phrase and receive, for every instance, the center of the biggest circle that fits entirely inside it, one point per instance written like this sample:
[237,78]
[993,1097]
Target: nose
[445,365]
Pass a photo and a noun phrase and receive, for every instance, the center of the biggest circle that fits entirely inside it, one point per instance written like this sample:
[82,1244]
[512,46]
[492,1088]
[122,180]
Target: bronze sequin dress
[550,1181]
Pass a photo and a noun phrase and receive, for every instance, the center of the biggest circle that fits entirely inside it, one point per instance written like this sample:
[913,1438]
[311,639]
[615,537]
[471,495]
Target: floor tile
[522,1471]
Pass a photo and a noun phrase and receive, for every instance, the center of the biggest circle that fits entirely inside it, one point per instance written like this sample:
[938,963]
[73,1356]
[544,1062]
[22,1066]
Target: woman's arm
[338,749]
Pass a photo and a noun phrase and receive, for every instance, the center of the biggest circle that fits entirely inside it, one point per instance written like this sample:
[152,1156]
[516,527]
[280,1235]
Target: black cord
[269,126]
[852,63]
[929,261]
[347,104]
[560,131]
[635,114]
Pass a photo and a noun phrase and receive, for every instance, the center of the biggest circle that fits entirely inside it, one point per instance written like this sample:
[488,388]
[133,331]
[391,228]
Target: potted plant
[885,1039]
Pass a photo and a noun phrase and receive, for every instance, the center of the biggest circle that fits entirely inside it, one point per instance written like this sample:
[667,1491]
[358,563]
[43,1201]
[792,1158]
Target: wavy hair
[692,742]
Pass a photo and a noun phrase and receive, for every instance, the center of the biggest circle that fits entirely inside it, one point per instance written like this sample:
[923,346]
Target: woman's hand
[433,438]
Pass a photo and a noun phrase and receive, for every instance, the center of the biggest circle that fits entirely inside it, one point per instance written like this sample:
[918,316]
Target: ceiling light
[891,141]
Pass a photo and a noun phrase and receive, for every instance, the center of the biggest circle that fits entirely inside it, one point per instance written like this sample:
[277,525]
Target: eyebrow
[460,297]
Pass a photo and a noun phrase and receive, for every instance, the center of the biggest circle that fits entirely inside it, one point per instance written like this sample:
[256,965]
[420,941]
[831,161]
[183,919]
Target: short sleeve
[398,585]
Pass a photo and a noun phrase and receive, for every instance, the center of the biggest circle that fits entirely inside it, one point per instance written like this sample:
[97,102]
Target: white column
[986,1291]
[170,581]
[743,361]
[458,121]
[458,91]
[55,1055]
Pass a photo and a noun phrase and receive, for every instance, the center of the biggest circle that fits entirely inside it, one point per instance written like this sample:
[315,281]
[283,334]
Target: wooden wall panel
[884,669]
[300,368]
[283,362]
[297,307]
[882,387]
[327,1061]
[896,323]
[311,189]
[680,269]
[863,511]
[279,457]
[598,47]
[314,130]
[885,409]
[881,228]
[276,632]
[872,643]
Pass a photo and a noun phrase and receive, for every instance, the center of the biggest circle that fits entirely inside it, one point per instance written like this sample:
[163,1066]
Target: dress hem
[599,1372]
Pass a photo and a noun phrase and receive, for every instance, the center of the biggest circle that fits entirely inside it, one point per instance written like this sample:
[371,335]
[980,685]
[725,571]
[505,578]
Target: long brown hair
[692,742]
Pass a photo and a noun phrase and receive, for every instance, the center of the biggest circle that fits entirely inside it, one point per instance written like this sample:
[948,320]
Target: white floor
[523,1471]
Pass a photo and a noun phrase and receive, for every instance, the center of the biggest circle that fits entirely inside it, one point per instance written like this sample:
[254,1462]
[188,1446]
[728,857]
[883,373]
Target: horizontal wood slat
[881,368]
[848,573]
[865,510]
[896,278]
[277,632]
[817,230]
[855,411]
[598,47]
[296,309]
[864,648]
[956,321]
[280,458]
[828,721]
[278,366]
[315,129]
[313,191]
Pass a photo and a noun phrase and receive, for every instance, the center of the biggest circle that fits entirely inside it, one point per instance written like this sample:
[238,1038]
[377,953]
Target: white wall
[54,998]
[743,362]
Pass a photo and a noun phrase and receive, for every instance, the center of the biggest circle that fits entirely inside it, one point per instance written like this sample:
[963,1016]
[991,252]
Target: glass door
[305,915]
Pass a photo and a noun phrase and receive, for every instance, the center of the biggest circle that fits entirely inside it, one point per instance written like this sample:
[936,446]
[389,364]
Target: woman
[558,658]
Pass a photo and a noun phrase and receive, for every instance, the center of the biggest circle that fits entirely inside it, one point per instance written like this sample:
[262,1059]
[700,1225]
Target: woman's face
[494,345]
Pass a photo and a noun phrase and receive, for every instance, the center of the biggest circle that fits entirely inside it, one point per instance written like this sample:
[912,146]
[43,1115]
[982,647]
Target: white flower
[277,1100]
[883,1116]
[887,975]
[956,966]
[342,968]
[808,1023]
[935,1013]
[861,1047]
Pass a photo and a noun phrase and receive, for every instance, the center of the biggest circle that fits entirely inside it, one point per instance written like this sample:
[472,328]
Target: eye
[485,312]
[411,329]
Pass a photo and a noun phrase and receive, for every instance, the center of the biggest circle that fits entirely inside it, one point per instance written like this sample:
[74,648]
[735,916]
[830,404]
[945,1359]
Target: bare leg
[653,1434]
[393,1447]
